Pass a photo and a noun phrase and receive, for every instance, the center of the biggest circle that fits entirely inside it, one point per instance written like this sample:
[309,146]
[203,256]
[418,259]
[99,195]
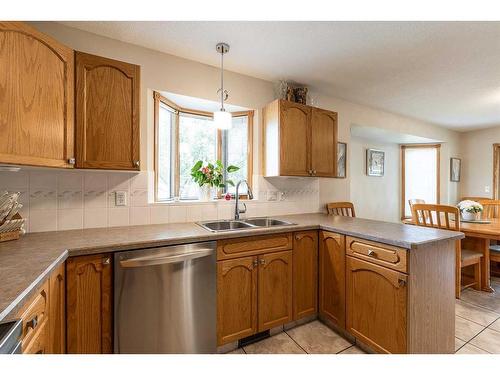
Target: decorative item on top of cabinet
[107,113]
[89,281]
[299,140]
[275,289]
[332,301]
[37,105]
[236,299]
[305,274]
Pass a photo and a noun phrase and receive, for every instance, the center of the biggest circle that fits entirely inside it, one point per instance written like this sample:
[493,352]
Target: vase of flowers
[210,176]
[470,210]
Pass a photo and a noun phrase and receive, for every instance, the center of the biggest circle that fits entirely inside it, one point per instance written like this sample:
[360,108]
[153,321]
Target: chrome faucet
[237,209]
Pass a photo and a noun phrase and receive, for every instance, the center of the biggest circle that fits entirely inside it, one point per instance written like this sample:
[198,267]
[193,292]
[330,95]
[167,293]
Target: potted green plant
[210,176]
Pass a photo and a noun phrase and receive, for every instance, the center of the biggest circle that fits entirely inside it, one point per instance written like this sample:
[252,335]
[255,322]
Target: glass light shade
[223,120]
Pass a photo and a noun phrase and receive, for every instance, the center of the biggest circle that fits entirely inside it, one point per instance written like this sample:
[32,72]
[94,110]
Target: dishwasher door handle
[157,260]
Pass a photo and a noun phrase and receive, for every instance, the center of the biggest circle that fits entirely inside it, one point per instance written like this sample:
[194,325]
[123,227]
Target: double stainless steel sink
[232,225]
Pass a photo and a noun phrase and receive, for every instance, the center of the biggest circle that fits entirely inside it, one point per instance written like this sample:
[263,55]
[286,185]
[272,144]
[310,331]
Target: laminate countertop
[26,263]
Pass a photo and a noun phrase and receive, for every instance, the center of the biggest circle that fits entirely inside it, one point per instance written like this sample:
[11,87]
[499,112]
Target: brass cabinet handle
[255,263]
[137,163]
[106,261]
[401,282]
[72,161]
[371,253]
[32,323]
[262,261]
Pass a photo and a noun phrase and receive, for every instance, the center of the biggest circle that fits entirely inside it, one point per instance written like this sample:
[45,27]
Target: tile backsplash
[62,200]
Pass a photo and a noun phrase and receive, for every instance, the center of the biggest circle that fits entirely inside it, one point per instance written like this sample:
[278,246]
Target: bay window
[184,136]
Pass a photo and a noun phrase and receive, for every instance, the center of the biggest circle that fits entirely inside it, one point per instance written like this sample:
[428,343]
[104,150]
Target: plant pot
[205,193]
[469,216]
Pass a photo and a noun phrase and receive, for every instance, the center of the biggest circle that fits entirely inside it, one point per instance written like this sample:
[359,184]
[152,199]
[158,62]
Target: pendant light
[222,119]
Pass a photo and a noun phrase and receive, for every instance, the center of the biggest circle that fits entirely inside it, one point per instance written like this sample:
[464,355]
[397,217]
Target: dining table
[478,237]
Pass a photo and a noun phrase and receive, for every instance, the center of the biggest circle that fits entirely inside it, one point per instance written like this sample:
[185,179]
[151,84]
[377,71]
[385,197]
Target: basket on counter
[11,222]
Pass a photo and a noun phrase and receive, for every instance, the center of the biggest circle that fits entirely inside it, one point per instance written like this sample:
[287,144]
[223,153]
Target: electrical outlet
[120,198]
[272,195]
[486,189]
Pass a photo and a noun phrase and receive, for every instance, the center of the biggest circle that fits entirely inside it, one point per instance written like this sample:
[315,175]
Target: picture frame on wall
[455,169]
[375,160]
[341,160]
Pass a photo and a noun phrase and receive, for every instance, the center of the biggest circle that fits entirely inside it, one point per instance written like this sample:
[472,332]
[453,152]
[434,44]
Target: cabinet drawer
[384,255]
[34,316]
[238,247]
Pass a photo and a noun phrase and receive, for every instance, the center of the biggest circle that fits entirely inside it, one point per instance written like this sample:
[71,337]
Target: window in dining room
[420,175]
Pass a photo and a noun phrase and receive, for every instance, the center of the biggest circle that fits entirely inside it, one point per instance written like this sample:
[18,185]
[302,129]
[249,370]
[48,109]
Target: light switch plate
[120,198]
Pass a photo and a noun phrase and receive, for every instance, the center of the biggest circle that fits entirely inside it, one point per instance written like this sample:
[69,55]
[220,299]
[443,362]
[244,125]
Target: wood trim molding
[438,173]
[496,170]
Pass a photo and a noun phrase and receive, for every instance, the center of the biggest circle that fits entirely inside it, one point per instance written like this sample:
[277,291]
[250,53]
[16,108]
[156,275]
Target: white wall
[169,73]
[477,161]
[375,197]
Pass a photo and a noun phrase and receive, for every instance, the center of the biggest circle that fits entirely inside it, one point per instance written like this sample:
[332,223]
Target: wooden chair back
[341,209]
[436,216]
[491,208]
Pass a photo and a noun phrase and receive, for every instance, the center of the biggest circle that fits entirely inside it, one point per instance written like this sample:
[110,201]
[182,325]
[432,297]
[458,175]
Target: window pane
[165,126]
[197,141]
[420,175]
[236,151]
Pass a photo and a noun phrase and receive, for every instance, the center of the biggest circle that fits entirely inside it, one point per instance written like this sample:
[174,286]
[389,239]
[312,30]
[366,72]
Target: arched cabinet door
[236,299]
[36,98]
[107,113]
[324,143]
[377,306]
[275,289]
[294,138]
[305,274]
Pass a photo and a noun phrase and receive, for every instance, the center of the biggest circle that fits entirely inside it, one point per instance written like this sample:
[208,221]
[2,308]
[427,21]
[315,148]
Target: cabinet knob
[106,261]
[137,163]
[371,253]
[262,261]
[72,161]
[255,263]
[314,171]
[401,282]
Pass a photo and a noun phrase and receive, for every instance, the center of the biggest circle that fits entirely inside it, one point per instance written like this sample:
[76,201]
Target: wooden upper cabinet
[299,140]
[236,299]
[305,274]
[107,113]
[324,143]
[36,98]
[275,289]
[377,306]
[332,300]
[89,281]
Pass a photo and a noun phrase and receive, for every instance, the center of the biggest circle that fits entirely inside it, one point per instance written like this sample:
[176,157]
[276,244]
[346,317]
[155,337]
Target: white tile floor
[477,331]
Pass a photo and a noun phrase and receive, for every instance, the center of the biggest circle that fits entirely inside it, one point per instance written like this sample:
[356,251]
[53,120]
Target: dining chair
[341,209]
[448,217]
[491,208]
[411,202]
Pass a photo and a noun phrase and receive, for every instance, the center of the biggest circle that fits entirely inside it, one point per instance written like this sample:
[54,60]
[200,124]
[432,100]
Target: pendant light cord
[222,79]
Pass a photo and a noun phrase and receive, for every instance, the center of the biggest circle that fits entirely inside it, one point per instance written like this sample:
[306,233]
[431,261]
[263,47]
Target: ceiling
[447,73]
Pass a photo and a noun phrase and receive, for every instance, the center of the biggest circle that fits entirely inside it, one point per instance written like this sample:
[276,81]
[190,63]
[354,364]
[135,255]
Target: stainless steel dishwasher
[165,300]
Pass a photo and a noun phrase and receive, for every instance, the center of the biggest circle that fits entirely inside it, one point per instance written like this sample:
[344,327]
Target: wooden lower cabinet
[332,301]
[236,299]
[377,306]
[89,281]
[305,274]
[57,311]
[275,289]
